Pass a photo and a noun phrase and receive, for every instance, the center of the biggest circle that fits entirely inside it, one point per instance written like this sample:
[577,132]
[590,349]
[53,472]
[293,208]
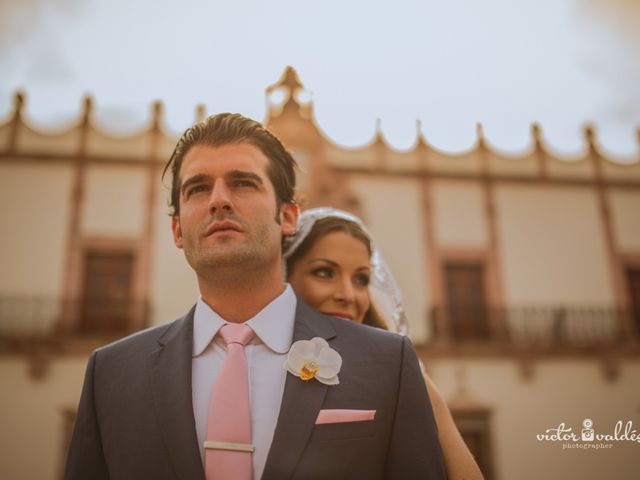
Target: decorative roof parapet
[290,86]
[378,137]
[18,104]
[289,82]
[421,141]
[201,112]
[16,119]
[87,110]
[536,137]
[481,142]
[157,110]
[590,138]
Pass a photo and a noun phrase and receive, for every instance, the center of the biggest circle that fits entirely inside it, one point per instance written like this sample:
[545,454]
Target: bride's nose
[344,291]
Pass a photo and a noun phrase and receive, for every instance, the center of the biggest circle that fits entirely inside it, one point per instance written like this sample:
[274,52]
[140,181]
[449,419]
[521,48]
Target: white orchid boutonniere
[314,358]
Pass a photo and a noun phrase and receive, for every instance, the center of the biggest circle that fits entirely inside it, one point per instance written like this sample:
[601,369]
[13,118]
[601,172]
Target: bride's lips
[344,316]
[223,226]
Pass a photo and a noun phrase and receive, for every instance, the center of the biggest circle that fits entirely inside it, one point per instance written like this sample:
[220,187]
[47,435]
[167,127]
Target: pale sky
[505,63]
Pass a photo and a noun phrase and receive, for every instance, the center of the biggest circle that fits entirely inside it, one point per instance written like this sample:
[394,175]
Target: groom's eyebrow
[193,180]
[244,175]
[233,175]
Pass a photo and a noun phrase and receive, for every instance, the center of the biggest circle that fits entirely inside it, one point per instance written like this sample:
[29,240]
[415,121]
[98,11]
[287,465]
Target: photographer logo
[587,430]
[589,438]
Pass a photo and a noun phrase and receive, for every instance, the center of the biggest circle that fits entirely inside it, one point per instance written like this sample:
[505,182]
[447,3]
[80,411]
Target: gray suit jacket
[135,418]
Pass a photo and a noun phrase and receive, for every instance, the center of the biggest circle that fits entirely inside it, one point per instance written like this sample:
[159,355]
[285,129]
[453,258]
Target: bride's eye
[361,279]
[322,272]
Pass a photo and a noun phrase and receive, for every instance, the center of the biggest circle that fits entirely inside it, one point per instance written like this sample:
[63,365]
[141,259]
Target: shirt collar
[273,325]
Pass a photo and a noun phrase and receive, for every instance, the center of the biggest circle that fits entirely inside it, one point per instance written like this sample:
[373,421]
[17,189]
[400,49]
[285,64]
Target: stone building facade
[520,273]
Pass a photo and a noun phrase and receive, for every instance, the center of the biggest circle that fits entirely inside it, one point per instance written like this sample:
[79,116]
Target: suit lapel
[171,389]
[301,402]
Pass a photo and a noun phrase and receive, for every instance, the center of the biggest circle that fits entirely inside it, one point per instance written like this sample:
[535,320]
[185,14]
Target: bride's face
[333,276]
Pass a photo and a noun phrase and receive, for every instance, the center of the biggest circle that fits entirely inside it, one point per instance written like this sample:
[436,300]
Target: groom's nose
[220,198]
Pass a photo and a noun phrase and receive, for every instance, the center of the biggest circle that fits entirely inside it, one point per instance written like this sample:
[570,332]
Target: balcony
[534,333]
[42,327]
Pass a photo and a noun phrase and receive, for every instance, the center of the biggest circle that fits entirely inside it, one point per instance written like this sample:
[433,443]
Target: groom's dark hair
[231,128]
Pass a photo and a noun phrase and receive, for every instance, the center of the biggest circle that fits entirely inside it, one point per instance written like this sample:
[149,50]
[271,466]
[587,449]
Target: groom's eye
[244,183]
[196,189]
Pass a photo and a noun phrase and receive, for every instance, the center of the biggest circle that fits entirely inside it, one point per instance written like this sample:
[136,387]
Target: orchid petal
[291,370]
[304,348]
[329,356]
[328,381]
[319,344]
[329,363]
[308,359]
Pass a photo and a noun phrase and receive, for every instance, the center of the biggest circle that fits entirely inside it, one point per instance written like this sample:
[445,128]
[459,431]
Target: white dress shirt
[266,354]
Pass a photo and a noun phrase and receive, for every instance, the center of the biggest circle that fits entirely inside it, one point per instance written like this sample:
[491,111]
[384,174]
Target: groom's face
[228,214]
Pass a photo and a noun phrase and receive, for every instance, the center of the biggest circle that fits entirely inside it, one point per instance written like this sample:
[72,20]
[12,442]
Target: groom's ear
[177,231]
[289,212]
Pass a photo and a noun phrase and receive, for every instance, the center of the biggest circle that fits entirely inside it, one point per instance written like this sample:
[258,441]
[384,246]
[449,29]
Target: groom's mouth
[219,227]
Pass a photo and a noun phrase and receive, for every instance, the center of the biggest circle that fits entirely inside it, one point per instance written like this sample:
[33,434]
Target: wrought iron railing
[37,317]
[535,325]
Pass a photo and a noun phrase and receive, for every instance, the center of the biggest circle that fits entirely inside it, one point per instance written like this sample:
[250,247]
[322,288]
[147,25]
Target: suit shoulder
[143,340]
[345,331]
[367,335]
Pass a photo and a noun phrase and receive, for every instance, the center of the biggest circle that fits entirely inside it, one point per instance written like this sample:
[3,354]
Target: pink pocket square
[343,416]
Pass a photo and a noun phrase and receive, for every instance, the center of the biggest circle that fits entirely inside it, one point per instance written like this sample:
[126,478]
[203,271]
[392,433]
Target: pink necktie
[228,449]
